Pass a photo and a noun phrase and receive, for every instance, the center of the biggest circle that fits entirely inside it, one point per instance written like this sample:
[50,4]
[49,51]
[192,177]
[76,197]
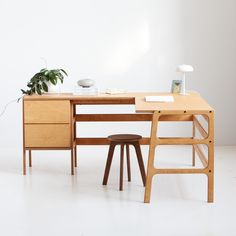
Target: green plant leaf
[38,89]
[43,70]
[61,79]
[45,87]
[46,72]
[42,78]
[64,72]
[53,81]
[30,85]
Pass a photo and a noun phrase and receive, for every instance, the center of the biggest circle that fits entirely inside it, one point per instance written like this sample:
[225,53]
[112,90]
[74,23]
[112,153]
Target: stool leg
[128,162]
[140,161]
[24,161]
[108,163]
[121,165]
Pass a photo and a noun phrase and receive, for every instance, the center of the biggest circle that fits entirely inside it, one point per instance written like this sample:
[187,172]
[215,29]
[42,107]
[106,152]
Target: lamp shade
[184,68]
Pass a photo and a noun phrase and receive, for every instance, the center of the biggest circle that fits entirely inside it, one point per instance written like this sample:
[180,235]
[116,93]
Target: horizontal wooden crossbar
[104,101]
[143,141]
[179,141]
[128,117]
[179,171]
[112,117]
[47,148]
[103,141]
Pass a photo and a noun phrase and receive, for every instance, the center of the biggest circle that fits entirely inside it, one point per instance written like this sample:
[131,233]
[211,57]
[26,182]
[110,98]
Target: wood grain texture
[47,135]
[47,112]
[189,104]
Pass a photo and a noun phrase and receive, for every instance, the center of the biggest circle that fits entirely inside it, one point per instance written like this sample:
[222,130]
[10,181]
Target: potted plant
[44,80]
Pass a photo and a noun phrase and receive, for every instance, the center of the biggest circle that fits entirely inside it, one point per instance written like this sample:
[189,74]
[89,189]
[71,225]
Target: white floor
[48,201]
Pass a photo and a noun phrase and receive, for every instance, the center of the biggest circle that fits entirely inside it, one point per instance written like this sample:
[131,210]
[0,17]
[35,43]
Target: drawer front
[47,135]
[47,111]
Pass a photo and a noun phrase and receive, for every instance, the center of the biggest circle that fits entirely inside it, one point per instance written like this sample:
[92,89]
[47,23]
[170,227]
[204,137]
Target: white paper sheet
[159,99]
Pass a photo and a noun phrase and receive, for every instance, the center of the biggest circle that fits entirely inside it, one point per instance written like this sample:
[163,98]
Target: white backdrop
[130,44]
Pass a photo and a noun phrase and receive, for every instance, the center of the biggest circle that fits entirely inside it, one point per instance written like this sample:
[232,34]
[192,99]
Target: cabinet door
[47,135]
[57,111]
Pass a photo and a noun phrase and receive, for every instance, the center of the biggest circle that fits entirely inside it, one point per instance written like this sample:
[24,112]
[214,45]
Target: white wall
[131,44]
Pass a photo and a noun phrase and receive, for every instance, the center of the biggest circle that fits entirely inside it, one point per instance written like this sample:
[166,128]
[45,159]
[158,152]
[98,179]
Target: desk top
[192,102]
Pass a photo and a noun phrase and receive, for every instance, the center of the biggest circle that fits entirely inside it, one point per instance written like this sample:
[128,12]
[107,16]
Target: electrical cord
[10,102]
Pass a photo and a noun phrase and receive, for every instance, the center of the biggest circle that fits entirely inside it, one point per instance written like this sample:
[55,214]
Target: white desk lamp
[184,68]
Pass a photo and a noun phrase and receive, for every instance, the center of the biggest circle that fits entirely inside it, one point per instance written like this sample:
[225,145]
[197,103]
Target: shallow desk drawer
[47,111]
[47,135]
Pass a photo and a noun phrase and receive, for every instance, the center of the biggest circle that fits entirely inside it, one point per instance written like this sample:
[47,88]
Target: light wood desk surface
[191,102]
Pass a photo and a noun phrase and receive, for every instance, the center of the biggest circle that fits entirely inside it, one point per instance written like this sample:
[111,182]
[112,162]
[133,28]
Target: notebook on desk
[159,98]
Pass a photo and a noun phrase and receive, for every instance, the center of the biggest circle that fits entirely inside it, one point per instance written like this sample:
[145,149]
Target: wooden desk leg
[30,159]
[75,137]
[193,149]
[75,155]
[24,161]
[210,174]
[150,166]
[72,161]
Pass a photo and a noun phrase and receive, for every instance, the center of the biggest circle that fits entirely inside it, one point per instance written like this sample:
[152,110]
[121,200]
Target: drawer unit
[47,124]
[47,111]
[47,136]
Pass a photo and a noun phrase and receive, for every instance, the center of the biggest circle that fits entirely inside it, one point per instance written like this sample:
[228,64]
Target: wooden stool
[124,140]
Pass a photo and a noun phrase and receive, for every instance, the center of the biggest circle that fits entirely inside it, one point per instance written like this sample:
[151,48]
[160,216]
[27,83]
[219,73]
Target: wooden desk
[49,122]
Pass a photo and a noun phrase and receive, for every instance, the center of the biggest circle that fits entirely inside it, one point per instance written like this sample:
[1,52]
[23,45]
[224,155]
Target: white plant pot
[53,88]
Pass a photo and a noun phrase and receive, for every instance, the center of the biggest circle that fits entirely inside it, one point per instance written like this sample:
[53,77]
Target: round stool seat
[124,137]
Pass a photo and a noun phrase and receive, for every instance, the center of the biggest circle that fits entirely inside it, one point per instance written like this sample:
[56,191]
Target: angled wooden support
[201,155]
[199,127]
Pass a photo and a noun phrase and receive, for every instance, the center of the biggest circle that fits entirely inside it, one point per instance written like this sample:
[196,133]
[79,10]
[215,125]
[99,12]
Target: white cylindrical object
[183,69]
[183,85]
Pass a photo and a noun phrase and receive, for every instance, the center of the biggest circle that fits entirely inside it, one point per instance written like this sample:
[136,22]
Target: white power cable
[5,107]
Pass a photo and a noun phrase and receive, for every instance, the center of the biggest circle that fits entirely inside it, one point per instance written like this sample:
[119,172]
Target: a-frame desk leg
[207,169]
[210,168]
[151,156]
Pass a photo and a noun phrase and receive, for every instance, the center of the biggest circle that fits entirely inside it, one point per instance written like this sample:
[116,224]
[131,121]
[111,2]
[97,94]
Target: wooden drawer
[47,111]
[47,135]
